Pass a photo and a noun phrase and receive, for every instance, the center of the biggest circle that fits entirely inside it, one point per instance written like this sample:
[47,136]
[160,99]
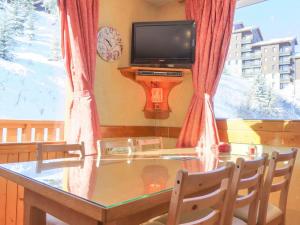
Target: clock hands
[108,42]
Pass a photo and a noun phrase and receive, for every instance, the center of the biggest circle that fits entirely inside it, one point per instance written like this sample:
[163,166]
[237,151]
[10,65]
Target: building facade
[249,55]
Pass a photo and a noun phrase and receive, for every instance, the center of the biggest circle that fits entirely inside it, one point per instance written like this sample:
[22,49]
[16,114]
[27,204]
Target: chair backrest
[111,146]
[281,167]
[186,197]
[44,148]
[247,178]
[44,166]
[154,142]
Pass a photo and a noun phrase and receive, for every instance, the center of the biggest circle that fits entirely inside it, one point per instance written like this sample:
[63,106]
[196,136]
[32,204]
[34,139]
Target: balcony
[246,40]
[285,71]
[19,131]
[256,55]
[246,49]
[252,65]
[248,56]
[283,52]
[251,56]
[285,62]
[285,78]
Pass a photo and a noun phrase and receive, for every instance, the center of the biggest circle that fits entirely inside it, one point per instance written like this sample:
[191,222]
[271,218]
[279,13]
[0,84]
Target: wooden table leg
[32,215]
[36,205]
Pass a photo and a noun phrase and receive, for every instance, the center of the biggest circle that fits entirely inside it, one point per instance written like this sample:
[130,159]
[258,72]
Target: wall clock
[109,45]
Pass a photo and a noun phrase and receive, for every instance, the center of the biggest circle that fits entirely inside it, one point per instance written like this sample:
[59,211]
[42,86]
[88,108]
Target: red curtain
[214,19]
[79,24]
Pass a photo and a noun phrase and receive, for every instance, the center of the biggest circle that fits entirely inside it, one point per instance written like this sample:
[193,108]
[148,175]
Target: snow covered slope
[32,85]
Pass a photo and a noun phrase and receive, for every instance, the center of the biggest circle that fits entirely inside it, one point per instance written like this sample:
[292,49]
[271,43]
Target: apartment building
[250,55]
[240,49]
[297,79]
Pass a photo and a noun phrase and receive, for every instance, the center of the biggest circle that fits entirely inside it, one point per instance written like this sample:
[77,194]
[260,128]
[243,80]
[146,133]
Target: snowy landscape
[32,76]
[238,97]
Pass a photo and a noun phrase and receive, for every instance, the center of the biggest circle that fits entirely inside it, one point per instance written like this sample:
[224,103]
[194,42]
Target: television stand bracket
[157,83]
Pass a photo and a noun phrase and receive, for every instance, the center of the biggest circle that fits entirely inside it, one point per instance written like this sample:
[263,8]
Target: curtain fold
[214,19]
[79,24]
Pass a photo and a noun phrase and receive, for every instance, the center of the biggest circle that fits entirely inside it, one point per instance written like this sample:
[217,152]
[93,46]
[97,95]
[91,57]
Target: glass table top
[117,179]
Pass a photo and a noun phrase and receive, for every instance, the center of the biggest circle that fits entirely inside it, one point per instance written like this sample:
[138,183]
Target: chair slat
[203,202]
[282,171]
[44,148]
[278,186]
[249,182]
[210,219]
[206,180]
[107,146]
[285,157]
[153,141]
[246,200]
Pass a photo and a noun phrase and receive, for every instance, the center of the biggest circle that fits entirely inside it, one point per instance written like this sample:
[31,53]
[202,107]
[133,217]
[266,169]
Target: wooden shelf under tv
[155,109]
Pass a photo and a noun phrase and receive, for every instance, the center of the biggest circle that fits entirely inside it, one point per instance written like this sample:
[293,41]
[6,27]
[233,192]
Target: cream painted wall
[120,101]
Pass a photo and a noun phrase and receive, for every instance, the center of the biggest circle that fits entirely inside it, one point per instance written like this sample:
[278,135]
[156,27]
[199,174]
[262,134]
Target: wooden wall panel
[23,157]
[51,134]
[268,132]
[126,131]
[3,188]
[12,194]
[11,135]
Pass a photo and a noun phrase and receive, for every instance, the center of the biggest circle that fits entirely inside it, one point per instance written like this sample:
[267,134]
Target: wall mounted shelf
[157,87]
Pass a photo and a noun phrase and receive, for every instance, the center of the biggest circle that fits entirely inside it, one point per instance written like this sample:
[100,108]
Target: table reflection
[111,180]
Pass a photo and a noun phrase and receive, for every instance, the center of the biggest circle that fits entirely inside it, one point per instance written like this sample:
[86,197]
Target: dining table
[114,189]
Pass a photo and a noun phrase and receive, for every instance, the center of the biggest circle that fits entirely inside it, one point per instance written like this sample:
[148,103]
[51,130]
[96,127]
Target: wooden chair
[43,148]
[154,142]
[269,214]
[115,146]
[208,208]
[248,179]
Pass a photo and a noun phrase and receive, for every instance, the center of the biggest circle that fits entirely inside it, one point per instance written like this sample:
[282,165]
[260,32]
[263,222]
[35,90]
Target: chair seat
[51,220]
[187,217]
[272,213]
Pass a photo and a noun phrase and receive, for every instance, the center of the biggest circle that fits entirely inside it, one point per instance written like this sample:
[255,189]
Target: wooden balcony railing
[19,131]
[17,140]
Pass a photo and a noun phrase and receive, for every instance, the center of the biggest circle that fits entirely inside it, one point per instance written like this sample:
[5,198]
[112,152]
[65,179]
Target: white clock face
[109,44]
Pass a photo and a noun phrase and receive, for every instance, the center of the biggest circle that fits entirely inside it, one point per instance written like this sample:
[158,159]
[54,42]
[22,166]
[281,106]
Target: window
[261,88]
[32,80]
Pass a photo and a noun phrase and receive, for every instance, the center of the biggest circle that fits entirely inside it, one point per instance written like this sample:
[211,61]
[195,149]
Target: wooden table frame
[40,199]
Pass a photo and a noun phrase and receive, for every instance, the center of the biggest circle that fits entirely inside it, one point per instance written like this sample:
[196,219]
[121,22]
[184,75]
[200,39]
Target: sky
[275,18]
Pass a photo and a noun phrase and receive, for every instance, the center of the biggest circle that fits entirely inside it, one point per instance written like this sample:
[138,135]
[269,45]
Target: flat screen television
[163,43]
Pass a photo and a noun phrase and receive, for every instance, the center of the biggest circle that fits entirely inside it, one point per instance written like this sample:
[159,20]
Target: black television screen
[170,42]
